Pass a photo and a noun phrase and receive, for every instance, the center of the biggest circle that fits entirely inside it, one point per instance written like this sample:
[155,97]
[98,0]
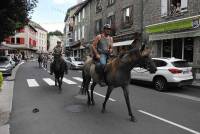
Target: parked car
[74,62]
[170,72]
[5,65]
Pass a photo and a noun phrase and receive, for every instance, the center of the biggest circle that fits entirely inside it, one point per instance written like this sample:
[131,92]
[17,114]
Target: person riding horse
[102,48]
[57,53]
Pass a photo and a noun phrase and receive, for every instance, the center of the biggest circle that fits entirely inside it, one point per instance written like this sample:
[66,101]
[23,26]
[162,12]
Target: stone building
[124,17]
[172,28]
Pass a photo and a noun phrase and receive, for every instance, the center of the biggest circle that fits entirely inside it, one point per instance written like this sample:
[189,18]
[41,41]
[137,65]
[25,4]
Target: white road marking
[68,81]
[103,96]
[184,96]
[100,95]
[49,81]
[32,83]
[170,122]
[78,79]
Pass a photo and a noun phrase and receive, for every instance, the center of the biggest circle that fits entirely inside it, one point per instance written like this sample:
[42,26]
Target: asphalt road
[173,112]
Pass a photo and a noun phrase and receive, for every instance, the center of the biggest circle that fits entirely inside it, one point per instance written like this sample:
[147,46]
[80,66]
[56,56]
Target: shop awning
[163,36]
[122,43]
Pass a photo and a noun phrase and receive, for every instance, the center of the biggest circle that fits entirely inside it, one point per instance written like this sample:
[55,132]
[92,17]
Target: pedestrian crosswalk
[51,82]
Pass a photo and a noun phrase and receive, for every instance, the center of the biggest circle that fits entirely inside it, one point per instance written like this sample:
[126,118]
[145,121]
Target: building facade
[172,28]
[53,39]
[24,40]
[41,36]
[69,29]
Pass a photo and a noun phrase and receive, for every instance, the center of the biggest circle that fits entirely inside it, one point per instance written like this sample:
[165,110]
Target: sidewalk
[196,84]
[6,96]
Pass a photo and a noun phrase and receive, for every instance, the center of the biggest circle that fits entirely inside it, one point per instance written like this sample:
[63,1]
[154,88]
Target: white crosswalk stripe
[68,81]
[49,81]
[78,79]
[32,83]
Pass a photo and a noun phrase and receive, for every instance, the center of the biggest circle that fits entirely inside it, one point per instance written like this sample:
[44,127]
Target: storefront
[178,38]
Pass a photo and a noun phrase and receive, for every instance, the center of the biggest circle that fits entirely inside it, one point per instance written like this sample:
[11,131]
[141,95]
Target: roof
[32,27]
[73,7]
[36,25]
[82,6]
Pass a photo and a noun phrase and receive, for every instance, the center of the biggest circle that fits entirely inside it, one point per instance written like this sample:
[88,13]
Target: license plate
[186,72]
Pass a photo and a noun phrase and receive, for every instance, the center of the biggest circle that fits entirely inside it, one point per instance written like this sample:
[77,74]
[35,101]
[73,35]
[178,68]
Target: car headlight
[8,66]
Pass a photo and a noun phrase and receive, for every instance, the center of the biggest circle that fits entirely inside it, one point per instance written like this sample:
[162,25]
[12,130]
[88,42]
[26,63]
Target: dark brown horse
[117,73]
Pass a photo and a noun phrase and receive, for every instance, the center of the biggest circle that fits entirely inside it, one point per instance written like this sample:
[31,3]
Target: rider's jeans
[103,59]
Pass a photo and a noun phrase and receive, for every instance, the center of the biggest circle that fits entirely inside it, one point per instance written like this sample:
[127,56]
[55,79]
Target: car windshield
[3,59]
[77,59]
[180,64]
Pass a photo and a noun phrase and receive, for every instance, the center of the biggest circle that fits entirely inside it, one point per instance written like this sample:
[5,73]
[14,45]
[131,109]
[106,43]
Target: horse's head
[146,60]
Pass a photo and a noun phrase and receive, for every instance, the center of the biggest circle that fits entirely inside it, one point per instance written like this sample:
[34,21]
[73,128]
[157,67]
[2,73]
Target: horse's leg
[87,82]
[92,90]
[60,84]
[56,80]
[109,90]
[126,96]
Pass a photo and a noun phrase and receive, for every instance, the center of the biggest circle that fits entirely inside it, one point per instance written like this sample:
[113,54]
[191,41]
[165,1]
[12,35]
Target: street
[176,111]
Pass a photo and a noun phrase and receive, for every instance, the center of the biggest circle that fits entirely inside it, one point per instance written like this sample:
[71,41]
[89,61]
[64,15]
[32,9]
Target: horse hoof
[93,103]
[103,111]
[88,103]
[132,119]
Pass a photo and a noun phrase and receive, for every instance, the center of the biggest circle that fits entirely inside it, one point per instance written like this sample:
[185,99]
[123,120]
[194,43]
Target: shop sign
[174,25]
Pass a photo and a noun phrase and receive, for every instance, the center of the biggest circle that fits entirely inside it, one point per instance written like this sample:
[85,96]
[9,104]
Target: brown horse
[117,74]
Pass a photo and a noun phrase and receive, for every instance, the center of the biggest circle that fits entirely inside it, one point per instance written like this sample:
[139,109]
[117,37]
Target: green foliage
[1,80]
[14,14]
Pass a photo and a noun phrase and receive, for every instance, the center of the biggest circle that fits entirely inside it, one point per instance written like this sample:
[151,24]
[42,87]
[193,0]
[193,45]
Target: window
[98,6]
[180,64]
[79,17]
[188,49]
[75,36]
[177,48]
[83,32]
[167,48]
[110,2]
[83,13]
[79,33]
[159,63]
[98,25]
[176,7]
[12,40]
[111,21]
[127,16]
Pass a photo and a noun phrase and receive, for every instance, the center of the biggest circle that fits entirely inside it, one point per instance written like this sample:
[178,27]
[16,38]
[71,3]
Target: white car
[170,72]
[74,62]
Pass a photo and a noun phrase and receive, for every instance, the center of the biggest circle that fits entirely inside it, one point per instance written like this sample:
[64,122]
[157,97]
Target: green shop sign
[174,25]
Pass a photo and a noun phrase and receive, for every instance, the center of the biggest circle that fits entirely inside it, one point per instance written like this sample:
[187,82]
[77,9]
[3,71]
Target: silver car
[74,62]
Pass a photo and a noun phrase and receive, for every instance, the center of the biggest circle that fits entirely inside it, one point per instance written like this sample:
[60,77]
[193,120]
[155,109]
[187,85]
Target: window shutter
[184,5]
[164,7]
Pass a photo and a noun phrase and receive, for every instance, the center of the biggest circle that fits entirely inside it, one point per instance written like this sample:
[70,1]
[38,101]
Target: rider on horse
[102,48]
[57,53]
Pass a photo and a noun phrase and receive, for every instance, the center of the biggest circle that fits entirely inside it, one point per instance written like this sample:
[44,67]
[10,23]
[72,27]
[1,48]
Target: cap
[107,26]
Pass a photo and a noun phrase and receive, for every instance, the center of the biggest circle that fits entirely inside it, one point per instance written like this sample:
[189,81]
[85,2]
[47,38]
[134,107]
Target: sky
[50,14]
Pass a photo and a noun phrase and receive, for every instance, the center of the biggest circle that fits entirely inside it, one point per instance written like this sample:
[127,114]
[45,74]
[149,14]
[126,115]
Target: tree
[14,14]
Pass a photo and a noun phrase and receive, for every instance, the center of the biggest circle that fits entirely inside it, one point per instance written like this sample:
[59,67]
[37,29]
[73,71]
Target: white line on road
[32,83]
[170,122]
[101,95]
[185,96]
[68,81]
[78,79]
[49,81]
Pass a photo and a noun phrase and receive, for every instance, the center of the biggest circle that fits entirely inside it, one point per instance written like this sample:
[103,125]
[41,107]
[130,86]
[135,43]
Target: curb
[6,97]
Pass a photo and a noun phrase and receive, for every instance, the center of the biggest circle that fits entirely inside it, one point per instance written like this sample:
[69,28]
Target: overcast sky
[50,14]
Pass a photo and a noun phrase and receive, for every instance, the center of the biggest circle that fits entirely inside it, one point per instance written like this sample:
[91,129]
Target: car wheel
[160,83]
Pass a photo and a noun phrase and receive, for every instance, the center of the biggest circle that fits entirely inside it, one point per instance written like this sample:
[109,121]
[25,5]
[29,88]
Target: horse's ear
[142,48]
[146,52]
